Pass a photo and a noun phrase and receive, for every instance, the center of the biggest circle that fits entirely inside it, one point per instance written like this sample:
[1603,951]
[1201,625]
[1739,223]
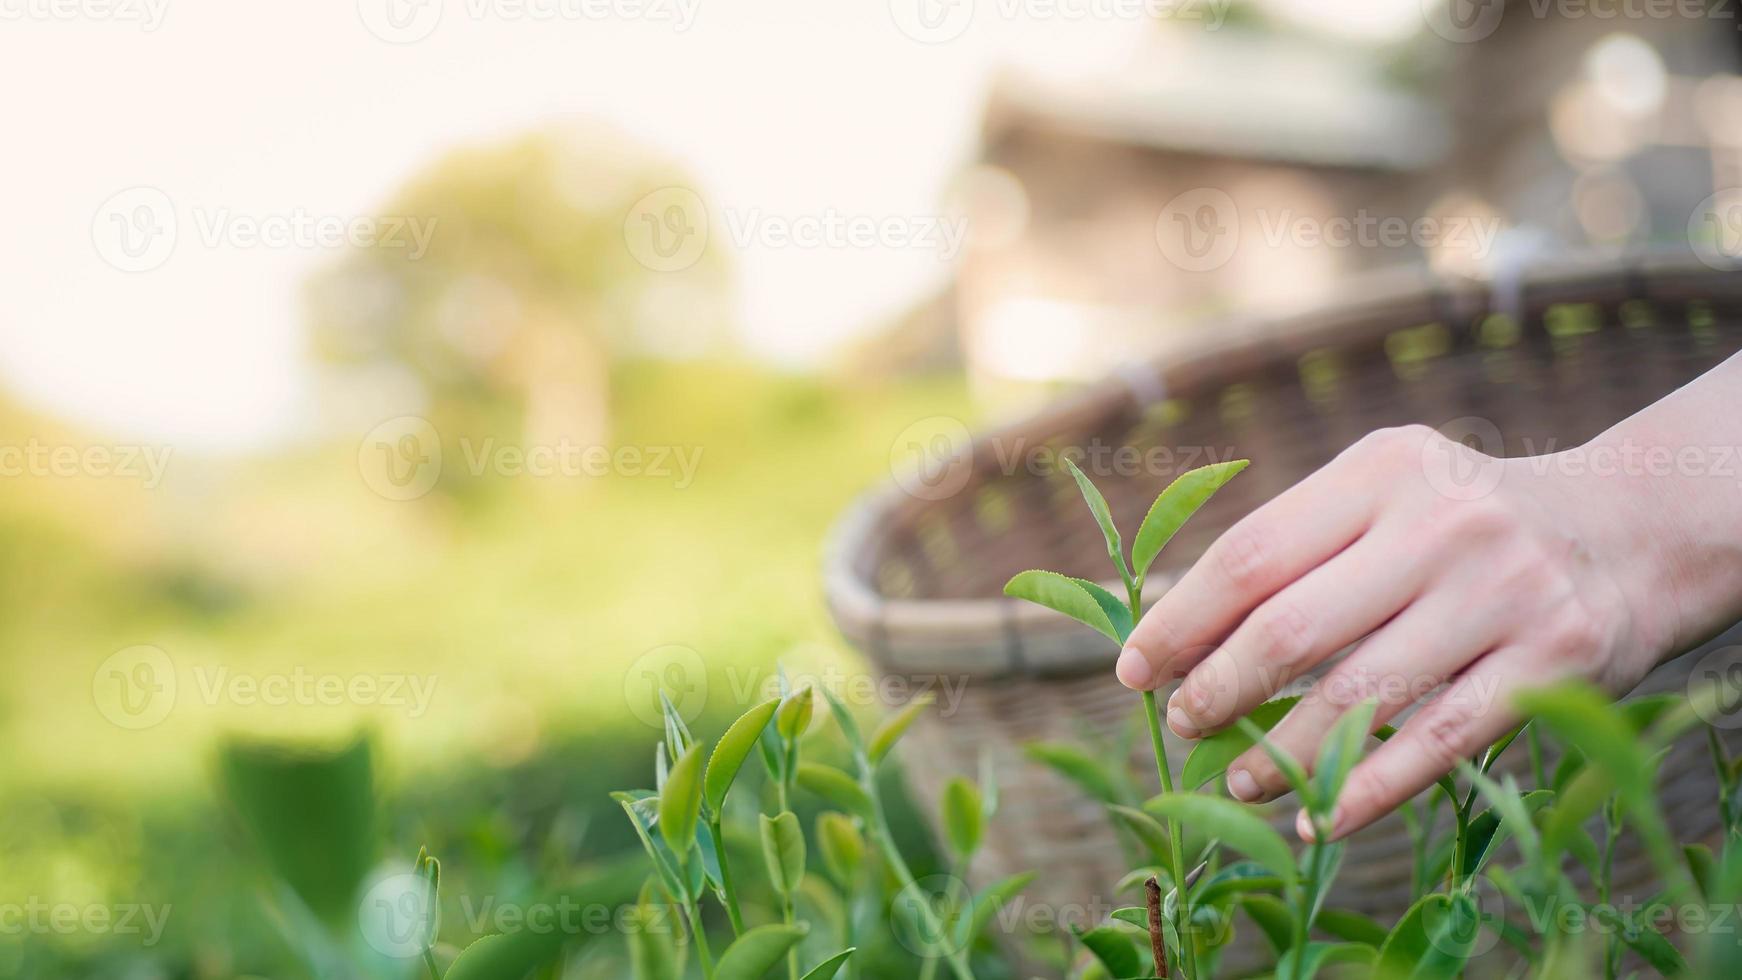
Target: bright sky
[230,113]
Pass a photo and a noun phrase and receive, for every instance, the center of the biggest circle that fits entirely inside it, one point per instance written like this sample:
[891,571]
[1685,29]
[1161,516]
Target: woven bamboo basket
[914,572]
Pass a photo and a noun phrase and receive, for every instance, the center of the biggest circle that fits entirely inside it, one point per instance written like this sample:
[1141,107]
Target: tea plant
[1605,775]
[682,825]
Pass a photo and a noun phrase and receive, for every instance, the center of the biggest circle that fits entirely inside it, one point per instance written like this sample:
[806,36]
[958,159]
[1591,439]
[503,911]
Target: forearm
[1674,533]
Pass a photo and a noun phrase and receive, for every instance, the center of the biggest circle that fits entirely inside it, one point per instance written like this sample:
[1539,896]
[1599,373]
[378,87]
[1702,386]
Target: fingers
[1332,606]
[1270,548]
[1466,717]
[1404,661]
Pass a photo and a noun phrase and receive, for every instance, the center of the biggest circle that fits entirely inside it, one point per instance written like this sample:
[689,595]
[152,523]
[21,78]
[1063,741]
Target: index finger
[1269,548]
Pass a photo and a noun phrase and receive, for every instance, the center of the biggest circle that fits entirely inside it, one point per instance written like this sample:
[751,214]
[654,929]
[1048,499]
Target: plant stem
[1537,770]
[429,961]
[1611,832]
[732,911]
[792,953]
[1176,844]
[879,828]
[1721,767]
[1303,918]
[700,936]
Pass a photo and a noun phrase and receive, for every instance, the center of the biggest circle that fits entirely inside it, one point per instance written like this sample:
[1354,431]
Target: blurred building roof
[1233,93]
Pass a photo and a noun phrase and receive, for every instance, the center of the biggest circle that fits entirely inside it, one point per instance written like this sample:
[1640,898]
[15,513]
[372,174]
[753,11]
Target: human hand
[1465,596]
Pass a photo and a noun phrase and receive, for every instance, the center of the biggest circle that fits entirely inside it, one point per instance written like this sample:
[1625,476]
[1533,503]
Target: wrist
[1662,519]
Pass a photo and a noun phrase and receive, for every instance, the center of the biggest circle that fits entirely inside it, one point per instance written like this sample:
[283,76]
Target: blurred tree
[512,289]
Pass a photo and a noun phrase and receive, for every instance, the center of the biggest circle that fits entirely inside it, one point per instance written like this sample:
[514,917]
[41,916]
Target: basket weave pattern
[914,579]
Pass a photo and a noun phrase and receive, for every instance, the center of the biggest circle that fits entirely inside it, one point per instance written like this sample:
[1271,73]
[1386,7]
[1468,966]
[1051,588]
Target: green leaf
[890,732]
[1288,765]
[734,747]
[793,717]
[1351,926]
[310,810]
[1078,767]
[835,786]
[994,897]
[1341,750]
[1211,756]
[640,806]
[508,956]
[1113,947]
[1235,825]
[964,824]
[1104,517]
[1647,942]
[841,845]
[827,969]
[783,851]
[1148,831]
[1273,918]
[1703,865]
[1510,814]
[1239,878]
[757,951]
[1319,955]
[653,953]
[1432,940]
[680,804]
[1063,594]
[1174,507]
[1117,612]
[1583,717]
[848,724]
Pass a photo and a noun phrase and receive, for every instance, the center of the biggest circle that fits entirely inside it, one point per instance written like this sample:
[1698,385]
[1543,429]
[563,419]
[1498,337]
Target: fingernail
[1181,725]
[1303,825]
[1133,669]
[1242,786]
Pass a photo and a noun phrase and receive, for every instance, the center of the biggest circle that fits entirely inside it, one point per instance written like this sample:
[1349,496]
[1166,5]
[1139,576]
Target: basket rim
[882,626]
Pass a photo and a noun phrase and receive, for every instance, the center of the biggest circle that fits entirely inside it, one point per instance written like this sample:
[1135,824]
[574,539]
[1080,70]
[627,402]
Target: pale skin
[1463,579]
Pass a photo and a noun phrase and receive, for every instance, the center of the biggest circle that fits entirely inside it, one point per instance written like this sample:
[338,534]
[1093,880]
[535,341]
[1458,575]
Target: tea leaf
[1150,833]
[757,951]
[827,969]
[1118,614]
[1174,507]
[841,845]
[1212,755]
[990,900]
[1703,865]
[1078,767]
[1432,940]
[653,953]
[1318,955]
[1063,594]
[1239,878]
[1581,716]
[834,786]
[677,734]
[849,727]
[1104,517]
[1642,939]
[793,717]
[734,747]
[1233,824]
[509,954]
[1510,813]
[1341,750]
[890,732]
[637,805]
[1113,947]
[680,804]
[964,824]
[1287,764]
[1272,917]
[783,851]
[1351,926]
